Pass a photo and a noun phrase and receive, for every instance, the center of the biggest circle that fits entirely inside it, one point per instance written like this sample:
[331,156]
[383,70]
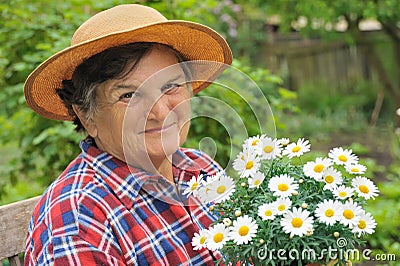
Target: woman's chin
[162,150]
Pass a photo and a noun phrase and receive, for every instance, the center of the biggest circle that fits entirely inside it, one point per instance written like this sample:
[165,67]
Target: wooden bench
[14,221]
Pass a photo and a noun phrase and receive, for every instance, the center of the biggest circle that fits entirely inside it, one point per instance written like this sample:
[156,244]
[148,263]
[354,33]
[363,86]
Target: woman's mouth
[158,130]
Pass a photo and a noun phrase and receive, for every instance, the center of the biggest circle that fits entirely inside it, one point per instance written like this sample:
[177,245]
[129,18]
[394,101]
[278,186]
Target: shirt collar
[126,181]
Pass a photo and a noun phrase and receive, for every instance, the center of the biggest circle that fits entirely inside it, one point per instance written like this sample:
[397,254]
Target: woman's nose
[160,108]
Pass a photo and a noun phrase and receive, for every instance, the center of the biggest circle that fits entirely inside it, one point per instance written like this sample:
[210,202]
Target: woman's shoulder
[76,192]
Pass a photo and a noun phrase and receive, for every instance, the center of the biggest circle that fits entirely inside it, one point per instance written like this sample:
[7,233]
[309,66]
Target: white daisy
[193,185]
[270,148]
[207,180]
[350,212]
[342,192]
[246,164]
[267,211]
[282,205]
[199,240]
[328,211]
[297,222]
[217,236]
[227,222]
[332,178]
[297,149]
[205,187]
[355,169]
[219,189]
[284,141]
[283,185]
[316,169]
[364,187]
[243,230]
[256,180]
[342,157]
[251,145]
[365,224]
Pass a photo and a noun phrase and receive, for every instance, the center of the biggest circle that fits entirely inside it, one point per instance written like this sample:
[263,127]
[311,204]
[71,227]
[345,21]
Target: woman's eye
[126,96]
[170,88]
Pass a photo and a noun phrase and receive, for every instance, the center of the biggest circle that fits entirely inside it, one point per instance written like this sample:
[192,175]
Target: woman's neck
[164,168]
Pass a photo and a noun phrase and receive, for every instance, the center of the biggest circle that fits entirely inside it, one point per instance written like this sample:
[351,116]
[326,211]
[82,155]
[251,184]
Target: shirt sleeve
[76,236]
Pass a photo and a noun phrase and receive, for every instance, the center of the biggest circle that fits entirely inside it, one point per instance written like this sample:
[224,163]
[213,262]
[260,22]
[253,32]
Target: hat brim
[192,40]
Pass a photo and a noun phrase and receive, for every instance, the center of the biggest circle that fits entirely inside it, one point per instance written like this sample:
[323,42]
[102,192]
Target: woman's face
[141,116]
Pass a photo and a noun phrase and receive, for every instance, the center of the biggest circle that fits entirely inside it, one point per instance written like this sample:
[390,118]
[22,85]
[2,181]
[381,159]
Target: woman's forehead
[157,66]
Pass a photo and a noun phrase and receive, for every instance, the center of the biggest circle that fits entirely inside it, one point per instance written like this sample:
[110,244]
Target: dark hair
[113,63]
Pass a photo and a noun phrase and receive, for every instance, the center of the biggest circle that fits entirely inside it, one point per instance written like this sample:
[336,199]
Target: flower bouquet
[279,210]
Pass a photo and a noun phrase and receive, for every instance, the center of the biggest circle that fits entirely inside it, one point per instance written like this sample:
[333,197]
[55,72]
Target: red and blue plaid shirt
[102,212]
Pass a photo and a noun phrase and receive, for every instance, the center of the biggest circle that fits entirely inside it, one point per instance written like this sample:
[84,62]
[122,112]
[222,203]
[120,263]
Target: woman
[125,81]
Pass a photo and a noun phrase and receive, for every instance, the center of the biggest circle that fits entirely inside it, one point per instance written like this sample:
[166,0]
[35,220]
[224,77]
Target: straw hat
[119,25]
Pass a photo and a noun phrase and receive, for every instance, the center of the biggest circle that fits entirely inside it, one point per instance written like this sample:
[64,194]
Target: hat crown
[117,19]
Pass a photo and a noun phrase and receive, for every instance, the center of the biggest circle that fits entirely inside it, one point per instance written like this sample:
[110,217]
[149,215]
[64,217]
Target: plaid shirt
[102,212]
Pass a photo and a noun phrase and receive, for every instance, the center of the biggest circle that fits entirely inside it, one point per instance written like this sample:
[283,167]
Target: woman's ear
[88,124]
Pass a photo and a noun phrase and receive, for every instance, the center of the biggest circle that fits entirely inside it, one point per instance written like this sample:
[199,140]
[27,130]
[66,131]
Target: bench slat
[14,221]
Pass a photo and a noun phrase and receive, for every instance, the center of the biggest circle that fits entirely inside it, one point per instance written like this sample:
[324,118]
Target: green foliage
[386,210]
[27,40]
[240,22]
[327,111]
[321,16]
[326,100]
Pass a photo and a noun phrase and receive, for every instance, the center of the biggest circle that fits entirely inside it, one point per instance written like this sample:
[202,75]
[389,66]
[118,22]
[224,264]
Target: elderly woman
[125,82]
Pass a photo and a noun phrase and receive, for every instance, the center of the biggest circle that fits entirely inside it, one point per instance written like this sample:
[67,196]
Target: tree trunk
[377,108]
[393,32]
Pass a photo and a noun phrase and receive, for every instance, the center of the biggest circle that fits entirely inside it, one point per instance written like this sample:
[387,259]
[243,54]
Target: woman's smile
[159,129]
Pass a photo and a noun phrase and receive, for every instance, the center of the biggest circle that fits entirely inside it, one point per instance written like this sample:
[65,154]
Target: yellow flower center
[342,158]
[268,149]
[283,187]
[249,165]
[348,214]
[363,189]
[296,149]
[268,213]
[194,186]
[282,207]
[221,189]
[342,194]
[329,213]
[202,240]
[243,230]
[242,157]
[257,182]
[329,179]
[254,143]
[355,170]
[218,237]
[297,222]
[318,168]
[362,224]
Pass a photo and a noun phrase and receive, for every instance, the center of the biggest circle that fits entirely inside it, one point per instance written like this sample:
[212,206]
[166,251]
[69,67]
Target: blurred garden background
[329,69]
